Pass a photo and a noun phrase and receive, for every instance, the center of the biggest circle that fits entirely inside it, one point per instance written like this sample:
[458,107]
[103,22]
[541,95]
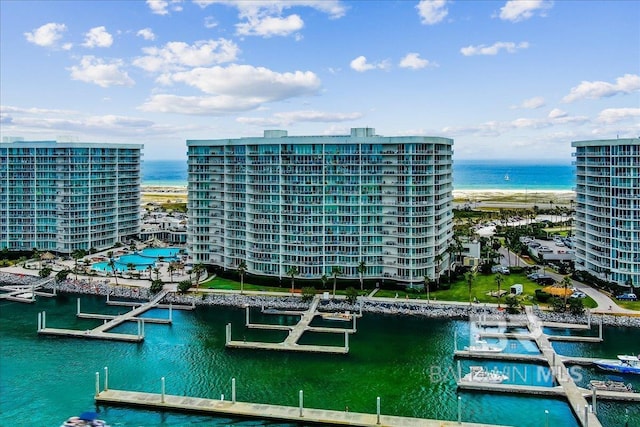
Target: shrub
[352,295]
[156,286]
[542,296]
[576,306]
[513,304]
[184,286]
[308,293]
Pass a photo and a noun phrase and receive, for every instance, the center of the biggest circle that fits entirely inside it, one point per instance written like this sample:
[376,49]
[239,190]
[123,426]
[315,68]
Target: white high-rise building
[607,226]
[319,202]
[63,197]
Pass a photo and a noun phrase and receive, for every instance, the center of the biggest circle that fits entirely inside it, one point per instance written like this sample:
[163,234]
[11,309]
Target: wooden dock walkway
[26,293]
[100,332]
[290,343]
[511,357]
[230,408]
[559,370]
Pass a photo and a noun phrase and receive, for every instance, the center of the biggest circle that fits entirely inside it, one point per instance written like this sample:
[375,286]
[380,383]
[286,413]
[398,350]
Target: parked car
[578,294]
[533,276]
[545,280]
[627,297]
[500,269]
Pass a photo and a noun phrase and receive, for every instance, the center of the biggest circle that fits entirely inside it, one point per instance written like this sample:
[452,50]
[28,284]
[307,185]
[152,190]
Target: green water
[44,380]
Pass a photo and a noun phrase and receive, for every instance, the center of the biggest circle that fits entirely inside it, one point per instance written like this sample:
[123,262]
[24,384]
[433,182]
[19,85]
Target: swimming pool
[142,260]
[104,266]
[169,254]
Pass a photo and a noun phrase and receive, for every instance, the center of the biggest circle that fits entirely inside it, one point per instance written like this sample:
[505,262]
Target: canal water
[406,361]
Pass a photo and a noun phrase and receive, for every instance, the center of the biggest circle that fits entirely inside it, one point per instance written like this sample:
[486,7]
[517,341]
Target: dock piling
[586,415]
[97,383]
[546,418]
[600,331]
[378,410]
[77,306]
[301,399]
[246,310]
[459,371]
[170,312]
[39,321]
[228,333]
[594,402]
[106,378]
[233,390]
[459,410]
[44,320]
[162,389]
[346,340]
[455,340]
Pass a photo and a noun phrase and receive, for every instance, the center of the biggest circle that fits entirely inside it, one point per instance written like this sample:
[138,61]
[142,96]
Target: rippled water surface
[406,361]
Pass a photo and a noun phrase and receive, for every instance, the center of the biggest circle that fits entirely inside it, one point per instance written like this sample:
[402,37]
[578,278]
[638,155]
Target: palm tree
[335,270]
[76,255]
[427,281]
[292,272]
[157,271]
[197,271]
[149,269]
[242,268]
[566,283]
[171,269]
[469,277]
[437,260]
[324,279]
[362,268]
[499,279]
[112,264]
[131,266]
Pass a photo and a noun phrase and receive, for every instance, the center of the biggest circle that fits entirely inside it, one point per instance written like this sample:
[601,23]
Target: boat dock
[566,386]
[100,332]
[290,343]
[291,414]
[26,293]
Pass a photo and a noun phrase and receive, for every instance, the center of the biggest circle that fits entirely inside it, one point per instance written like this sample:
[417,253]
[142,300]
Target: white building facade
[319,202]
[63,197]
[607,226]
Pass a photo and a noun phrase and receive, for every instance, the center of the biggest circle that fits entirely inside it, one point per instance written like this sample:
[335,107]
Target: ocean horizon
[513,175]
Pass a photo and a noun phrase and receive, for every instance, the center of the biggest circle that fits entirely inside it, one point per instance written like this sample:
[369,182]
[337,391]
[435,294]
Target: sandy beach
[514,198]
[475,198]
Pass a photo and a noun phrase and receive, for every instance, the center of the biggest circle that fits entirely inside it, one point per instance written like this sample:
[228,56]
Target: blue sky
[505,79]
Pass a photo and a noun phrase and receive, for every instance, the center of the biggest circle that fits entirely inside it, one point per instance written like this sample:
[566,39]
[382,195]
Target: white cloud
[265,18]
[46,35]
[432,11]
[210,22]
[557,113]
[160,7]
[532,103]
[98,37]
[413,60]
[178,55]
[494,49]
[595,90]
[361,65]
[520,10]
[104,74]
[232,89]
[41,122]
[146,33]
[614,115]
[288,118]
[270,26]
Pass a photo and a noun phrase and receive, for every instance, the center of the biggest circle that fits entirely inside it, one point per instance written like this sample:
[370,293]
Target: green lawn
[482,286]
[227,284]
[631,305]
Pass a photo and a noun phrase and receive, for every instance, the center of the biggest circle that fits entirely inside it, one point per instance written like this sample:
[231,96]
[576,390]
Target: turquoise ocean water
[467,174]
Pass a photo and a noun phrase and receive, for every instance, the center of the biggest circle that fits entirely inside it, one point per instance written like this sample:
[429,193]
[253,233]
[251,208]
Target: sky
[515,80]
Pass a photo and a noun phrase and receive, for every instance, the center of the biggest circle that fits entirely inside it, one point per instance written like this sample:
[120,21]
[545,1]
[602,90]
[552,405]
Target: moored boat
[479,375]
[484,347]
[345,317]
[625,364]
[86,419]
